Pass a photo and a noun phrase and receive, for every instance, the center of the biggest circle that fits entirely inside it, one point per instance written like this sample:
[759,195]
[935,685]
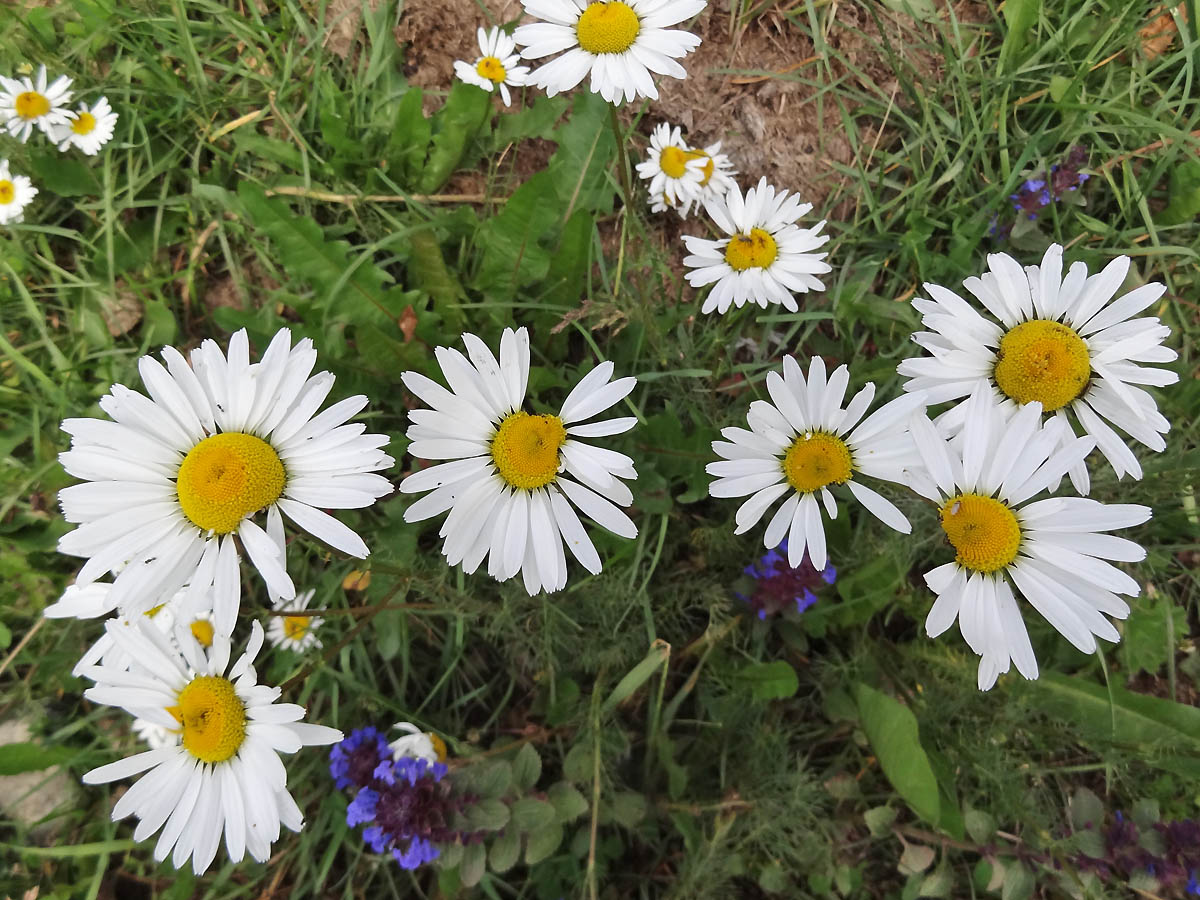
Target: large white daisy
[619,43]
[294,632]
[507,489]
[224,776]
[805,442]
[176,476]
[89,128]
[26,102]
[497,66]
[1063,342]
[675,173]
[1050,551]
[16,192]
[765,259]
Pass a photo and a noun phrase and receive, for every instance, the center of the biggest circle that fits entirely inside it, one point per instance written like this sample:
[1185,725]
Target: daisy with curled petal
[224,776]
[417,744]
[497,66]
[1052,551]
[507,487]
[803,443]
[1063,342]
[173,478]
[293,632]
[618,43]
[673,170]
[26,102]
[765,259]
[16,191]
[89,129]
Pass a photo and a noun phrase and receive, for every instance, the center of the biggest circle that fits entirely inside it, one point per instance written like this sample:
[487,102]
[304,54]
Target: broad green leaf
[427,271]
[579,169]
[486,779]
[892,730]
[530,813]
[1086,810]
[63,176]
[774,680]
[488,815]
[409,140]
[504,850]
[1145,643]
[981,826]
[1183,191]
[513,252]
[542,843]
[627,808]
[879,820]
[1019,16]
[473,862]
[454,125]
[29,757]
[527,768]
[567,801]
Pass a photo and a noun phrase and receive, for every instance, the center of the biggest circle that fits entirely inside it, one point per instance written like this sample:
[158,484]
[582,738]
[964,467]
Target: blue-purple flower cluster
[779,587]
[1166,851]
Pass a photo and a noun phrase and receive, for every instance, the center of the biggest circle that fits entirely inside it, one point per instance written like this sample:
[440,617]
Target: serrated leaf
[473,862]
[29,757]
[567,801]
[542,842]
[513,250]
[579,168]
[488,815]
[489,779]
[409,141]
[775,680]
[530,813]
[427,271]
[455,125]
[504,851]
[892,730]
[879,820]
[527,768]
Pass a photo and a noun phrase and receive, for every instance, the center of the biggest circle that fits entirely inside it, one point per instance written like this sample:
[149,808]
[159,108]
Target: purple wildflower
[353,760]
[779,587]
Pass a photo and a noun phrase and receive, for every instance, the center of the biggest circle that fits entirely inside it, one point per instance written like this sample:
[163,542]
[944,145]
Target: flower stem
[622,158]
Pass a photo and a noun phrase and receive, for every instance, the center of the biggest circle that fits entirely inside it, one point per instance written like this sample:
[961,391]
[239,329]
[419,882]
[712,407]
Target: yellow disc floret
[607,27]
[525,449]
[202,631]
[225,478]
[296,627]
[7,191]
[439,746]
[31,105]
[755,250]
[983,530]
[708,167]
[491,69]
[1045,361]
[815,460]
[85,123]
[673,161]
[213,718]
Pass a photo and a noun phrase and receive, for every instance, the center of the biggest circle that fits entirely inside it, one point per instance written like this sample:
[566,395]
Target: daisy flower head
[15,193]
[803,443]
[26,102]
[767,257]
[1053,552]
[172,482]
[93,600]
[88,128]
[514,479]
[1062,342]
[497,67]
[673,169]
[418,744]
[619,42]
[293,632]
[224,775]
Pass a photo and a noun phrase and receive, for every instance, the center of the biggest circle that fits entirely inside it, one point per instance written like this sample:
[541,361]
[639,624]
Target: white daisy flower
[1051,551]
[618,43]
[89,129]
[497,68]
[674,171]
[15,193]
[716,181]
[804,442]
[507,488]
[296,633]
[25,102]
[765,259]
[156,736]
[224,775]
[1063,342]
[93,600]
[176,476]
[417,744]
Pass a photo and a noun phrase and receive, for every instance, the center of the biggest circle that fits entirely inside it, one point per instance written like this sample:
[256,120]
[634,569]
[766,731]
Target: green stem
[622,158]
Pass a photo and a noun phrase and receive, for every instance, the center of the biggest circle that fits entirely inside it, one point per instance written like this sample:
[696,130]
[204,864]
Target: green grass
[237,125]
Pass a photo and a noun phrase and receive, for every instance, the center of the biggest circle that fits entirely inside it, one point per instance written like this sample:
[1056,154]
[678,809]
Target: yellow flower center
[607,28]
[7,192]
[817,459]
[295,627]
[708,168]
[491,69]
[755,250]
[31,105]
[439,746]
[85,123]
[673,161]
[225,478]
[202,631]
[1044,361]
[525,449]
[213,718]
[983,530]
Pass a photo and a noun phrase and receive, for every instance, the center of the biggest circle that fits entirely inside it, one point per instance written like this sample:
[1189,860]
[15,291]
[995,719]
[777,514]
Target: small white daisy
[89,129]
[507,488]
[1063,342]
[673,170]
[176,476]
[1052,550]
[805,442]
[156,736]
[417,744]
[618,43]
[15,193]
[93,600]
[497,68]
[295,633]
[25,102]
[765,259]
[716,181]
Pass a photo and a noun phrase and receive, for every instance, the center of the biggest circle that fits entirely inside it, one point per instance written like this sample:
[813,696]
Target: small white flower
[618,43]
[417,744]
[673,170]
[497,68]
[156,736]
[15,193]
[89,129]
[296,633]
[765,259]
[26,102]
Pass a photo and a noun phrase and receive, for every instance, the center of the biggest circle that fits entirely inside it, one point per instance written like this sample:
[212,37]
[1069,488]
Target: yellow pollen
[983,530]
[1045,361]
[7,191]
[151,613]
[525,449]
[202,631]
[817,459]
[755,250]
[85,123]
[673,161]
[491,69]
[708,168]
[607,28]
[225,478]
[213,718]
[295,627]
[31,105]
[439,746]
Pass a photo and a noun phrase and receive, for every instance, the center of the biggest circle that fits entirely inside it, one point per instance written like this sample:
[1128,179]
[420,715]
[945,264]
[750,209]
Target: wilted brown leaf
[1159,32]
[122,312]
[408,323]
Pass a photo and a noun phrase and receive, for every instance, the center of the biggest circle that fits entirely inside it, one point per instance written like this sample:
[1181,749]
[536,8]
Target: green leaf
[567,801]
[1059,84]
[628,808]
[892,730]
[543,842]
[455,124]
[410,138]
[488,815]
[1018,882]
[29,757]
[879,820]
[773,879]
[981,826]
[1086,810]
[63,176]
[1019,16]
[527,768]
[916,858]
[579,168]
[504,850]
[579,762]
[1146,641]
[488,779]
[774,680]
[5,636]
[513,253]
[1183,191]
[427,271]
[530,813]
[472,865]
[655,658]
